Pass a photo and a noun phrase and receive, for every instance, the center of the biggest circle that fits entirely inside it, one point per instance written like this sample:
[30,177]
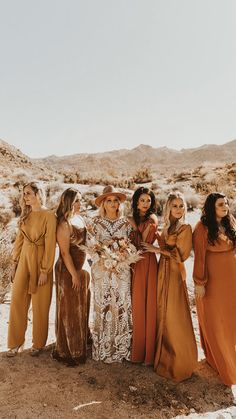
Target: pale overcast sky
[96,75]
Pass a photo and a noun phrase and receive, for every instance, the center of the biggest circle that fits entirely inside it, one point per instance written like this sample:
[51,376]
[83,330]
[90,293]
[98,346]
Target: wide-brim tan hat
[108,191]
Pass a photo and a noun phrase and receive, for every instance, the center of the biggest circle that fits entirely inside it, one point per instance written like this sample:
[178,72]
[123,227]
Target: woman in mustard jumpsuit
[33,257]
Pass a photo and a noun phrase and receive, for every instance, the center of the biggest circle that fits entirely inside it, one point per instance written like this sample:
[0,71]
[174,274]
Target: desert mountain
[157,159]
[122,162]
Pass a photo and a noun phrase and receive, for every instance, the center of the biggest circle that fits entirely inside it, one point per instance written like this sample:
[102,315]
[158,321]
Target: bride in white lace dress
[110,322]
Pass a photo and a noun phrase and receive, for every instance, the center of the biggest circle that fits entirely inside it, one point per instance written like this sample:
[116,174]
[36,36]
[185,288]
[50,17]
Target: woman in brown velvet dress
[144,278]
[71,283]
[215,285]
[176,350]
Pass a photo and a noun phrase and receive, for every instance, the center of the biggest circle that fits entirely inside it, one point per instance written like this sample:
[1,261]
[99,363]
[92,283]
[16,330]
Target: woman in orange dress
[214,275]
[176,351]
[144,278]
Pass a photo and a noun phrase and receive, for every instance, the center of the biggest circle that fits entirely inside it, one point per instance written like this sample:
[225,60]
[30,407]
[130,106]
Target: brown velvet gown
[215,267]
[176,353]
[144,304]
[71,316]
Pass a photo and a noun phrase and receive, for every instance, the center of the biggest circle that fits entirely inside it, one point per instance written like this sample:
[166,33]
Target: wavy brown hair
[208,218]
[135,198]
[26,209]
[65,207]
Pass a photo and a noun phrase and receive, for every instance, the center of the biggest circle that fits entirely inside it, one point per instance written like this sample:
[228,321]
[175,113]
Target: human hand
[75,282]
[42,279]
[150,247]
[199,291]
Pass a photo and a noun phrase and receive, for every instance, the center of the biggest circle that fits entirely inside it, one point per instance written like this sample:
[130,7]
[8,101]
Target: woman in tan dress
[144,278]
[71,283]
[214,275]
[33,257]
[176,350]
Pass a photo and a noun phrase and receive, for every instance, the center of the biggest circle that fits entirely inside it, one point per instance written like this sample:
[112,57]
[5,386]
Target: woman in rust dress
[176,351]
[144,278]
[71,283]
[215,285]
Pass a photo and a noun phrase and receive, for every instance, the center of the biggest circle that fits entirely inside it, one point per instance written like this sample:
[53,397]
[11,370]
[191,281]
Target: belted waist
[33,267]
[39,242]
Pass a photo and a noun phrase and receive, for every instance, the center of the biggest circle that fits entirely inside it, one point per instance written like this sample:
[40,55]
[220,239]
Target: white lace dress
[110,320]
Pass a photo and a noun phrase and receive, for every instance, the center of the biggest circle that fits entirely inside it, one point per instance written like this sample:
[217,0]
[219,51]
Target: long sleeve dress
[176,352]
[34,252]
[111,319]
[215,267]
[144,305]
[71,314]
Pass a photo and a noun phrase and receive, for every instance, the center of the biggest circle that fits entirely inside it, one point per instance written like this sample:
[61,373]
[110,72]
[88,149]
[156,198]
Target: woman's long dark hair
[135,198]
[208,218]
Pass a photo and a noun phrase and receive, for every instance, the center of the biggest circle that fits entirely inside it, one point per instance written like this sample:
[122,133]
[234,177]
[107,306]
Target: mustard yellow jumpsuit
[34,252]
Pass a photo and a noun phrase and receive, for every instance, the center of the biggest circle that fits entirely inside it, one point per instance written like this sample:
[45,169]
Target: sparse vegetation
[143,175]
[5,263]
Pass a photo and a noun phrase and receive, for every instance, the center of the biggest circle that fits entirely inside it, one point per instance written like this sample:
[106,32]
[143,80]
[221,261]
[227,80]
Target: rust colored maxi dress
[176,353]
[144,304]
[215,266]
[71,315]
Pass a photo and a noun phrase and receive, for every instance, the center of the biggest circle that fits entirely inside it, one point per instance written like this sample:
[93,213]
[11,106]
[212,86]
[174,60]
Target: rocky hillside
[12,160]
[12,157]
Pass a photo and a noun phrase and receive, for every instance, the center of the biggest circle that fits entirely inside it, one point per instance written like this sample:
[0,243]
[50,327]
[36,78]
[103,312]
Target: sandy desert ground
[43,388]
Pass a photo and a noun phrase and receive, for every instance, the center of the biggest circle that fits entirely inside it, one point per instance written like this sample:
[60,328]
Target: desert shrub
[54,190]
[192,199]
[142,175]
[127,211]
[233,207]
[6,215]
[20,177]
[72,177]
[182,176]
[5,263]
[161,197]
[53,200]
[14,197]
[154,186]
[88,200]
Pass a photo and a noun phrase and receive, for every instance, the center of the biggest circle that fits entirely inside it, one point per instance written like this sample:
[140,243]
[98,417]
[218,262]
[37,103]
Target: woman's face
[30,197]
[77,204]
[177,208]
[221,208]
[144,203]
[111,204]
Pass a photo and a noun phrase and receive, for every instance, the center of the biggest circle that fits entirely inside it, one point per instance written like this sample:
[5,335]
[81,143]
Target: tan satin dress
[72,309]
[215,266]
[176,352]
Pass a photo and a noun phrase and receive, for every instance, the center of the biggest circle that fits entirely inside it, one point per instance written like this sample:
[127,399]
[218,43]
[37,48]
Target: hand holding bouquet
[115,254]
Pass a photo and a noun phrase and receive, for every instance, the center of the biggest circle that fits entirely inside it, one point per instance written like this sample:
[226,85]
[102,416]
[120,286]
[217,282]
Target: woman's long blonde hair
[65,207]
[26,209]
[167,211]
